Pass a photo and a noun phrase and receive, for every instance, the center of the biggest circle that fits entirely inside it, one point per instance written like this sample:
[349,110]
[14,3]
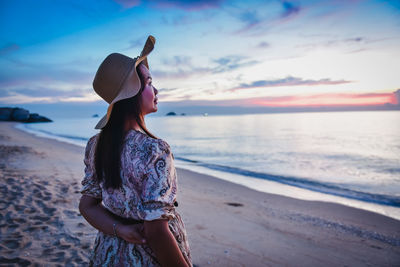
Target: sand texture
[227,224]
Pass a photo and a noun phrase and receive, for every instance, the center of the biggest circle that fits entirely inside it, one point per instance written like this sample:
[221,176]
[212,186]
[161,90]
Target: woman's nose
[155,90]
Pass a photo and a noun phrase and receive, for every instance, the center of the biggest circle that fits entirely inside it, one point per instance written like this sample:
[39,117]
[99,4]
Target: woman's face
[149,95]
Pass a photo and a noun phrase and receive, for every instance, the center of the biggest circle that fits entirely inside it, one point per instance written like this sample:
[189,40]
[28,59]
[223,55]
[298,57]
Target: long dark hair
[109,144]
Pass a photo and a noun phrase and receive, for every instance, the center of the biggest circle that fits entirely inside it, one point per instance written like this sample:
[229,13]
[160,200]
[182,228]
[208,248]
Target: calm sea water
[352,155]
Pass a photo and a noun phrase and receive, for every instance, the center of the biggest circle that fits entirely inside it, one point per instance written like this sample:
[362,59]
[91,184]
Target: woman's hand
[103,220]
[132,233]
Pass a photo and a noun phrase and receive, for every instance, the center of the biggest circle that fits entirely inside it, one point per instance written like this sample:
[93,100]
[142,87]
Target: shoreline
[268,229]
[254,183]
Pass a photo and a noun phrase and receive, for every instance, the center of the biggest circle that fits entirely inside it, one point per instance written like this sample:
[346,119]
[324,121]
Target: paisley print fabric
[148,192]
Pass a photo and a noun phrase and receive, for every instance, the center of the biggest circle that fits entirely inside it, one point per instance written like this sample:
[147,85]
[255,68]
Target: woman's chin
[155,108]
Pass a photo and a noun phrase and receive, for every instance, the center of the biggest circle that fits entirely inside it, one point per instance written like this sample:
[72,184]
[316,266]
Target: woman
[132,173]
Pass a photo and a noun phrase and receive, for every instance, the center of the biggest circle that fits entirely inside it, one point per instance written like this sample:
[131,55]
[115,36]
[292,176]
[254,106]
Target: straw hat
[117,78]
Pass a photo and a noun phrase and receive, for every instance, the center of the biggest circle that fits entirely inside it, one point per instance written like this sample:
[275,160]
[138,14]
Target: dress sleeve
[90,185]
[159,184]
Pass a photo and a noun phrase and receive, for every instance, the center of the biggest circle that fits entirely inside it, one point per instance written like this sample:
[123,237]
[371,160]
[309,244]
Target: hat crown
[111,75]
[117,78]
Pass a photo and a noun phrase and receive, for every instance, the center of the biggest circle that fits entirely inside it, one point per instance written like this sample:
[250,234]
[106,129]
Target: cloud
[188,18]
[128,3]
[289,9]
[288,81]
[184,68]
[168,90]
[136,43]
[230,63]
[178,60]
[263,45]
[45,94]
[23,74]
[329,99]
[251,20]
[287,101]
[396,96]
[179,67]
[179,73]
[249,17]
[354,40]
[45,76]
[9,48]
[190,5]
[350,45]
[259,21]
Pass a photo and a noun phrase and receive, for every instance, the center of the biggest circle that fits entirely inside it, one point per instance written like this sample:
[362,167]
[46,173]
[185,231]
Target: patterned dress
[148,192]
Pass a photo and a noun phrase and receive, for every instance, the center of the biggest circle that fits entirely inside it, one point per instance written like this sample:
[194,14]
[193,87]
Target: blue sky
[226,53]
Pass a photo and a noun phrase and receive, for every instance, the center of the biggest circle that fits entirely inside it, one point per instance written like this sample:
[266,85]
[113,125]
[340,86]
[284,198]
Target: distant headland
[172,113]
[21,115]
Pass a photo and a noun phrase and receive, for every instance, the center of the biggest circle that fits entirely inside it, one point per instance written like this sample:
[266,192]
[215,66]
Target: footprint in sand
[11,244]
[40,218]
[64,246]
[47,251]
[40,187]
[49,211]
[19,220]
[64,189]
[47,198]
[16,261]
[234,204]
[30,210]
[37,194]
[27,245]
[70,213]
[200,227]
[4,205]
[19,207]
[60,255]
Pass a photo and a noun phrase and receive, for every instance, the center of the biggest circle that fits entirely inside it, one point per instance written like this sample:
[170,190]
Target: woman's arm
[163,243]
[103,220]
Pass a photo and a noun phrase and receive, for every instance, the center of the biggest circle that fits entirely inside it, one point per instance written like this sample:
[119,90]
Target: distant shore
[227,224]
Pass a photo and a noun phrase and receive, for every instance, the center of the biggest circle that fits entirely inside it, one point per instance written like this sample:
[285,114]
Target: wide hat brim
[131,85]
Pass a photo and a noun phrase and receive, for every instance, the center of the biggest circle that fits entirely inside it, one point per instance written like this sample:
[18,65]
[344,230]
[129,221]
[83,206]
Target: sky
[269,53]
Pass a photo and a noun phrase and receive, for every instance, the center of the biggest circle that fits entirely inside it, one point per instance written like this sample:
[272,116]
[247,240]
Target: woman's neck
[132,125]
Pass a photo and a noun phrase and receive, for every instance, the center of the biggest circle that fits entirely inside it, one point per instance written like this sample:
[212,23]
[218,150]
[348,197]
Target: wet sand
[227,224]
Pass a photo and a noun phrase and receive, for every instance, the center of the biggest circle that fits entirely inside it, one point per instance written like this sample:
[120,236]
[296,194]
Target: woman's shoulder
[93,138]
[156,145]
[91,142]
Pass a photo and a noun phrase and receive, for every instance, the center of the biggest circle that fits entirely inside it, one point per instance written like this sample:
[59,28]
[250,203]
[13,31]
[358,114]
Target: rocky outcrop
[34,117]
[20,114]
[5,114]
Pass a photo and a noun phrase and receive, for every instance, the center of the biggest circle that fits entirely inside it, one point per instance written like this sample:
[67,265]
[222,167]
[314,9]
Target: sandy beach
[227,224]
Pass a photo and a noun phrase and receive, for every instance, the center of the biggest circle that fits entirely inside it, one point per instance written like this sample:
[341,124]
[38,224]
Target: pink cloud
[325,100]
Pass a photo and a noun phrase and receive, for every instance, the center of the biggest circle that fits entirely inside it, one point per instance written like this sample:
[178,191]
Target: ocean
[352,158]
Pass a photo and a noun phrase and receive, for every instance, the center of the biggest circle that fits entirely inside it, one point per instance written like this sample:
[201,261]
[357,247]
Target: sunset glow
[328,100]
